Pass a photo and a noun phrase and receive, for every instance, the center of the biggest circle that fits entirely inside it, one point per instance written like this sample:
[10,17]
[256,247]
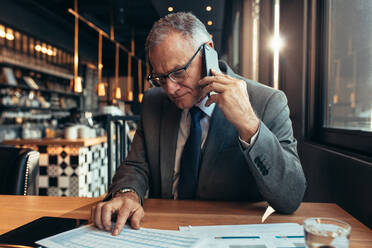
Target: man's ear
[210,43]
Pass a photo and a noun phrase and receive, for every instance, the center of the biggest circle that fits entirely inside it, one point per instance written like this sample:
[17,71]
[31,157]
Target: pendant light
[117,90]
[140,95]
[101,91]
[78,87]
[130,91]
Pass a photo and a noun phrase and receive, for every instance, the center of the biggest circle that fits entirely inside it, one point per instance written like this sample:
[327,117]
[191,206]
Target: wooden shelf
[35,64]
[57,141]
[5,85]
[11,107]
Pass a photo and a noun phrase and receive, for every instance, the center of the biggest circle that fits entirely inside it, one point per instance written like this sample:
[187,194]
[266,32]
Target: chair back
[19,169]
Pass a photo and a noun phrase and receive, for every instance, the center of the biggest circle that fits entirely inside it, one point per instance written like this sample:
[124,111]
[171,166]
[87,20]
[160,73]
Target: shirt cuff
[245,144]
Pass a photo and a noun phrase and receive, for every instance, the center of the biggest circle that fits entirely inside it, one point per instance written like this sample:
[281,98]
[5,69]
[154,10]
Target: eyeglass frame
[164,77]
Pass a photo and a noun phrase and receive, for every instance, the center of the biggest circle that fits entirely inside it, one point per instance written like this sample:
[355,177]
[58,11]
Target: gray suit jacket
[269,170]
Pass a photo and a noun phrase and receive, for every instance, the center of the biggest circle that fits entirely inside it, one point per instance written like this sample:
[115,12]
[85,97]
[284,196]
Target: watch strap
[126,190]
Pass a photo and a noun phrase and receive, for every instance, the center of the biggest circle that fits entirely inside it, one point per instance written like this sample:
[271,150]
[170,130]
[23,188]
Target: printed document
[277,235]
[249,236]
[90,236]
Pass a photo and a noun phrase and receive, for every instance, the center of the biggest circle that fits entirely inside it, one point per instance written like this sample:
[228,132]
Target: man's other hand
[125,205]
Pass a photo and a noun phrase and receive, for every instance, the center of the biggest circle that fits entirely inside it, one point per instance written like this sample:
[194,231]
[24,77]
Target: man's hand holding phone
[233,100]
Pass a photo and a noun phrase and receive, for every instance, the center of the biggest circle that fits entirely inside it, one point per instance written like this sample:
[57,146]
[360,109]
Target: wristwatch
[126,190]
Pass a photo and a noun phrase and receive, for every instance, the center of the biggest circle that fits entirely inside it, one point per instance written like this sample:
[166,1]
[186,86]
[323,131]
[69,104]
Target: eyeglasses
[177,76]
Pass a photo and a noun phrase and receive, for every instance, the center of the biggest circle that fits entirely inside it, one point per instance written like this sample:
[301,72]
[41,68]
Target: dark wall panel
[291,57]
[335,177]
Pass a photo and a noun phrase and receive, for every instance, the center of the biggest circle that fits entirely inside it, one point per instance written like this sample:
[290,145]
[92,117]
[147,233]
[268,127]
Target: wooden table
[169,214]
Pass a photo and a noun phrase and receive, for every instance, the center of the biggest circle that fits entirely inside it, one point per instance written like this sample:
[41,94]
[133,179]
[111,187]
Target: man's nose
[171,86]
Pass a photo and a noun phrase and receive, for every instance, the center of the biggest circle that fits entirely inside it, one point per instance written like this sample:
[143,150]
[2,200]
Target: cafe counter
[69,167]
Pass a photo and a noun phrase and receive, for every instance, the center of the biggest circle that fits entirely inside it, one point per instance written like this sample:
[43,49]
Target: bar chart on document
[279,235]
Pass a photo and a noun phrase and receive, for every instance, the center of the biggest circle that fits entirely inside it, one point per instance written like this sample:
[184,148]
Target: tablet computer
[28,234]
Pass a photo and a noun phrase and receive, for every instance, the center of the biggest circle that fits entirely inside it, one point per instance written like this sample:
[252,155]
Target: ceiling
[198,8]
[130,18]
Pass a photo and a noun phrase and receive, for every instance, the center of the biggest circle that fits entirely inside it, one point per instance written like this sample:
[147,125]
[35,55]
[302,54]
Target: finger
[135,220]
[206,80]
[106,215]
[92,213]
[221,74]
[214,72]
[223,79]
[205,92]
[213,87]
[122,217]
[97,215]
[212,99]
[216,87]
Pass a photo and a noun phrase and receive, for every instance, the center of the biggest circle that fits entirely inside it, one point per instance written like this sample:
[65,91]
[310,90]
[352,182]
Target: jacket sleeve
[273,158]
[133,173]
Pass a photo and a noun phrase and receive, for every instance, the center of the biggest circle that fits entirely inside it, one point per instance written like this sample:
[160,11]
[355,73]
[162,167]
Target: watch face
[125,190]
[122,191]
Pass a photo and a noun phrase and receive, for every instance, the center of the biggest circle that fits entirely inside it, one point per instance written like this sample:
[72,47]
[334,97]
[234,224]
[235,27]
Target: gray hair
[185,23]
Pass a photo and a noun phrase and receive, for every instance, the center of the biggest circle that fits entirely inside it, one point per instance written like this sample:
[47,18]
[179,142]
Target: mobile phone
[210,60]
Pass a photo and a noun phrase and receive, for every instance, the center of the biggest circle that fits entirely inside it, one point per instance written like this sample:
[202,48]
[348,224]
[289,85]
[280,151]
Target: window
[340,75]
[348,65]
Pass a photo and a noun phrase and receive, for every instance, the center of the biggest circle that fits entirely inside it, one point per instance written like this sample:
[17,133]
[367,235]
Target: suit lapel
[218,129]
[216,136]
[168,143]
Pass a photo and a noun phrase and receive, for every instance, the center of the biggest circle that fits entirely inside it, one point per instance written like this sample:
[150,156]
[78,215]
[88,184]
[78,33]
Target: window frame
[355,141]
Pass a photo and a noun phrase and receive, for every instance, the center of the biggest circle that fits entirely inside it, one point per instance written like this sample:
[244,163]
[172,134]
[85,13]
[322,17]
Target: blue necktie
[190,159]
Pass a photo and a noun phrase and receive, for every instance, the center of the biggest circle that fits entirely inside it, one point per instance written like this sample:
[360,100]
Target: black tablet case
[38,229]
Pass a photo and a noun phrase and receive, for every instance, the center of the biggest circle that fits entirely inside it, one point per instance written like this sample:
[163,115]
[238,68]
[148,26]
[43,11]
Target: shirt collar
[207,110]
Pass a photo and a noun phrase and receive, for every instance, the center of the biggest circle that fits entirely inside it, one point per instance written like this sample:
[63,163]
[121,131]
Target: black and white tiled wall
[72,170]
